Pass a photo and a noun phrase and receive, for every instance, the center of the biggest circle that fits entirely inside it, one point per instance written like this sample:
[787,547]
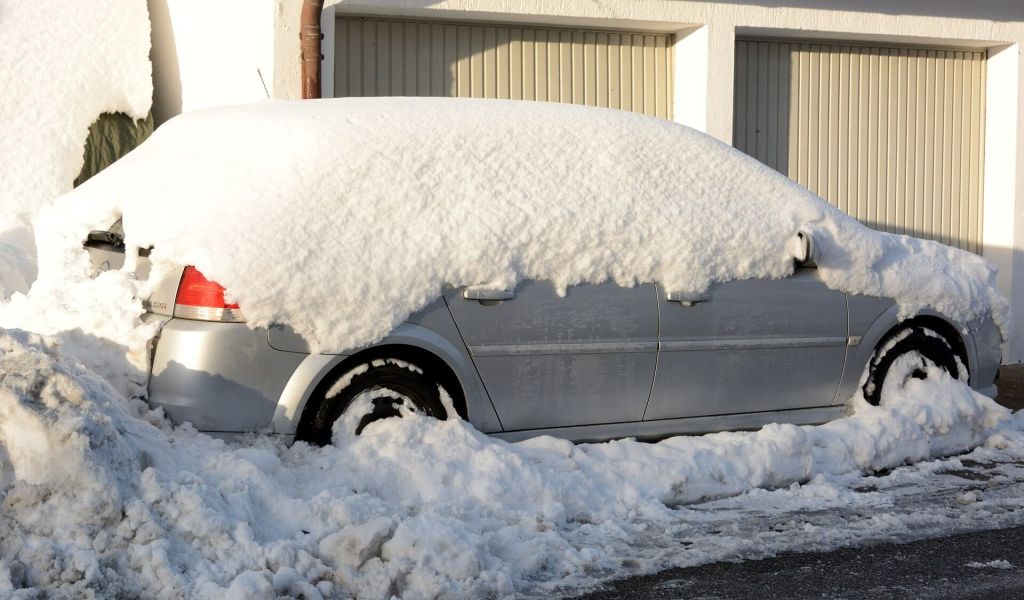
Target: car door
[549,361]
[749,346]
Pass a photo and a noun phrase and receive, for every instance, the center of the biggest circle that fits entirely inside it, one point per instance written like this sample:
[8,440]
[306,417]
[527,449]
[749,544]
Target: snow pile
[342,217]
[95,320]
[97,494]
[59,69]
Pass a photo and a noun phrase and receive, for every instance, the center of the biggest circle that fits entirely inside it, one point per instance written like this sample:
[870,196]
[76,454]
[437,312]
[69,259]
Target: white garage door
[616,69]
[892,135]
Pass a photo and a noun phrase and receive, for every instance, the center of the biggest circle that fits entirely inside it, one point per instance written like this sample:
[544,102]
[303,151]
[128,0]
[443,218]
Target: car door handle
[689,298]
[475,293]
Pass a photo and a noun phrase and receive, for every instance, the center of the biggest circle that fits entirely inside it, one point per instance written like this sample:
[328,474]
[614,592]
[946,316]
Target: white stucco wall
[265,36]
[210,53]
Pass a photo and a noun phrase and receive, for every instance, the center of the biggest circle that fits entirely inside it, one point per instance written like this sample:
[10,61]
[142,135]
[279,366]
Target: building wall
[212,53]
[704,60]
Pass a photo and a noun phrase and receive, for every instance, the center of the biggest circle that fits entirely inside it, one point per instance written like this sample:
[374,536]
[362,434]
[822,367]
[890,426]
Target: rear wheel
[916,349]
[380,389]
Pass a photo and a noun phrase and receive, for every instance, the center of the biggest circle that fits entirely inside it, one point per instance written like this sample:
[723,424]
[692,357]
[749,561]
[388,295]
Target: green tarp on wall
[112,136]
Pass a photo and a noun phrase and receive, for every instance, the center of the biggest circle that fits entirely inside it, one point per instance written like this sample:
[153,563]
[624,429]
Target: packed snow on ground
[291,204]
[60,67]
[100,494]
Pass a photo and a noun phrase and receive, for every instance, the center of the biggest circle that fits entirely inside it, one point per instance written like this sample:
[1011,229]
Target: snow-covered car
[531,268]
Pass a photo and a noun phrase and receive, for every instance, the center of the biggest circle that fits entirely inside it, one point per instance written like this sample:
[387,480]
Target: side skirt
[654,430]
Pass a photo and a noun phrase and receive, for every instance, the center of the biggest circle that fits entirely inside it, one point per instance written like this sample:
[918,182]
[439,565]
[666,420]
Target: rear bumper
[221,377]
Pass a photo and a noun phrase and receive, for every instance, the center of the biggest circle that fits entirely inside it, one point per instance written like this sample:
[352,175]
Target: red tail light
[202,299]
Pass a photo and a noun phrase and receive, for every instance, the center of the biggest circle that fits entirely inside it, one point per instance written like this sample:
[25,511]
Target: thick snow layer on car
[343,217]
[98,494]
[60,68]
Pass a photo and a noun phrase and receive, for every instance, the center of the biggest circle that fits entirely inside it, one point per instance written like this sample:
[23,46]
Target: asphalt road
[926,569]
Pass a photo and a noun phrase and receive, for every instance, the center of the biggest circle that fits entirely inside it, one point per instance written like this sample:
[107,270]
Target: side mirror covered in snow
[806,254]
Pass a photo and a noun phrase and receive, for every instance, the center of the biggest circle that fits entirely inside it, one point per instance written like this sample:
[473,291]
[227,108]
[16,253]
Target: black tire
[398,380]
[925,343]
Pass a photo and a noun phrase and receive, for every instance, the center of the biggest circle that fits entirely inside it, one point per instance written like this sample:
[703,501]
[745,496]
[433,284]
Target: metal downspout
[309,40]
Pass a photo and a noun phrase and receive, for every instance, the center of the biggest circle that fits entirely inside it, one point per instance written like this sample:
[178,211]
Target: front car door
[749,346]
[548,361]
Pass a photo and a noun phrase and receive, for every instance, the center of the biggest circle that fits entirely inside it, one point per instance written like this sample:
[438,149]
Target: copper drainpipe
[309,40]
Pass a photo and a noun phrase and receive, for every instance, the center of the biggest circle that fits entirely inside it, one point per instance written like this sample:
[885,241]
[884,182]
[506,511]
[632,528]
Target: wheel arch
[888,324]
[432,364]
[408,342]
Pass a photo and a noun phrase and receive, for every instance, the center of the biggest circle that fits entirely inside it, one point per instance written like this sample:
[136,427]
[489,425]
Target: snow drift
[342,217]
[99,495]
[59,69]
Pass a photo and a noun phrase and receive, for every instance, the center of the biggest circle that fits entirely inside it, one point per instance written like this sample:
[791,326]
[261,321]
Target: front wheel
[919,346]
[379,389]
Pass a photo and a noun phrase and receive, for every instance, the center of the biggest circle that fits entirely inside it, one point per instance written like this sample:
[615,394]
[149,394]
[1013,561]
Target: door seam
[472,361]
[657,352]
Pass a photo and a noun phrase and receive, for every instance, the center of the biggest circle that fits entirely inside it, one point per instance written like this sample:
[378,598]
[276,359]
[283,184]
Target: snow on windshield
[343,217]
[59,69]
[99,494]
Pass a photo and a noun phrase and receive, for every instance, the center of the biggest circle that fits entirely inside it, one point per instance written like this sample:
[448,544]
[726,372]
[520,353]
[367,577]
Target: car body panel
[225,377]
[750,346]
[431,329]
[601,362]
[986,354]
[871,319]
[218,376]
[283,337]
[551,361]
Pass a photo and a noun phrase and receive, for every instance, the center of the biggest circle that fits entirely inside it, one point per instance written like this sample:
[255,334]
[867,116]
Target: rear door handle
[689,298]
[475,293]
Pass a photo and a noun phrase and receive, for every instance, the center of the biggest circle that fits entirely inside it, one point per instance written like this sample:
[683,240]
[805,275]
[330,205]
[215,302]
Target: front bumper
[987,356]
[221,377]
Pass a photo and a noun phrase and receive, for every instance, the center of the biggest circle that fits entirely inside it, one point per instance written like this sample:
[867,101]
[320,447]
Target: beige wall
[409,57]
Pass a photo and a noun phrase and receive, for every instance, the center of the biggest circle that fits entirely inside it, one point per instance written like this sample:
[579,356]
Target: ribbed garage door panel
[383,57]
[893,136]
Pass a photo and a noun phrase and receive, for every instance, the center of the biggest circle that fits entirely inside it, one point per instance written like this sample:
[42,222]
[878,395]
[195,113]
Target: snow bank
[97,494]
[59,69]
[342,217]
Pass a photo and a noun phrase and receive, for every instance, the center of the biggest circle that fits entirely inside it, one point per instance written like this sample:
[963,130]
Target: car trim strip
[570,348]
[753,344]
[673,346]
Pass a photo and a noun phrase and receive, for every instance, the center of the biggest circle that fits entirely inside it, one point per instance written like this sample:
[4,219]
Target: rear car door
[549,361]
[749,346]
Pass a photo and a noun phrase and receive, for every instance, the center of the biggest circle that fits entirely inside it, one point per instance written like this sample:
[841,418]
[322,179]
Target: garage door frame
[916,162]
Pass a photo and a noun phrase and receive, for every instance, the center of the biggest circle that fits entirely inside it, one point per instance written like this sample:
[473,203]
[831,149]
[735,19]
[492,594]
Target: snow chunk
[343,217]
[355,544]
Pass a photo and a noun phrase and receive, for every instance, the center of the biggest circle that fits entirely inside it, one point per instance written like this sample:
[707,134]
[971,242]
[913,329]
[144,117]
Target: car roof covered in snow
[342,217]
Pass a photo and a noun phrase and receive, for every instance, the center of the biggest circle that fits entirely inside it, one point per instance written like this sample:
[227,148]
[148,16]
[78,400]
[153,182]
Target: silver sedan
[600,362]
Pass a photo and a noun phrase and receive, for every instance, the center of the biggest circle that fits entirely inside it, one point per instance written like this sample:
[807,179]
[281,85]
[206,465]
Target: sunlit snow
[100,494]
